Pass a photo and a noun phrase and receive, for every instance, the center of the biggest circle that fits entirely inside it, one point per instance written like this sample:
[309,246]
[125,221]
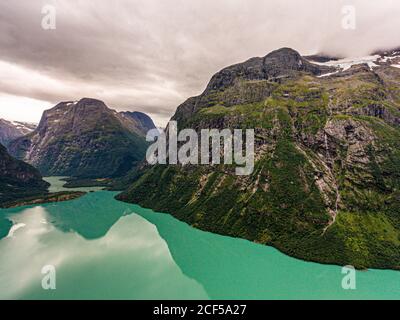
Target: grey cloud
[153,54]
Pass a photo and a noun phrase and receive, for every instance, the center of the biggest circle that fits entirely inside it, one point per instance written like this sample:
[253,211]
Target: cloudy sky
[151,55]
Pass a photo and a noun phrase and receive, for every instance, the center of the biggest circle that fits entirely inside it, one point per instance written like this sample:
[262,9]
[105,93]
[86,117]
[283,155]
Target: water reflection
[231,268]
[92,217]
[105,249]
[130,260]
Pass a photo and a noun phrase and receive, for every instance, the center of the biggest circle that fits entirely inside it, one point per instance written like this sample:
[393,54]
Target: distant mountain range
[11,130]
[326,184]
[84,139]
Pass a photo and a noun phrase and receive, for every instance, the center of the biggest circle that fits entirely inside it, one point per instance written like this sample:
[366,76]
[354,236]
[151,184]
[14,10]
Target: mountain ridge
[326,182]
[11,130]
[82,139]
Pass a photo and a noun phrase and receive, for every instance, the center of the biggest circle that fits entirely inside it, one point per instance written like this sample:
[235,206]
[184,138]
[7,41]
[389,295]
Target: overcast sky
[151,55]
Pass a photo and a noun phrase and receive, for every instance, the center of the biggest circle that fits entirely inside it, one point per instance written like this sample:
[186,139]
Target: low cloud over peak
[150,55]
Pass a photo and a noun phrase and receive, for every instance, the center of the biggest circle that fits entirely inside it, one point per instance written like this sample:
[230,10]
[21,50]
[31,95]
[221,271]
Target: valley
[172,152]
[326,174]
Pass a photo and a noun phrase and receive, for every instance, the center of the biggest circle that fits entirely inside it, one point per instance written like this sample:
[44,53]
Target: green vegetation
[327,176]
[85,140]
[18,179]
[44,198]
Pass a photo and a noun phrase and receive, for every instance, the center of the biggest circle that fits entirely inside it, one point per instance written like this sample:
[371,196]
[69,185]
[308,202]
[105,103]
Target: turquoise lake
[105,249]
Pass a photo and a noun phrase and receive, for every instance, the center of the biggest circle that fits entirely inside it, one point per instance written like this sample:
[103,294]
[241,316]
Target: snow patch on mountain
[24,127]
[388,58]
[328,74]
[347,63]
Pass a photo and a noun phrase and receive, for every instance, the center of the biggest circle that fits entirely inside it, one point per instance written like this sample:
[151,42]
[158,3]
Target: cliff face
[250,81]
[83,139]
[327,175]
[18,179]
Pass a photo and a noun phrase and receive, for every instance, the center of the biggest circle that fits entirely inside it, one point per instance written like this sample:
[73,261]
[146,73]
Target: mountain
[18,179]
[11,130]
[82,139]
[391,52]
[141,121]
[321,58]
[326,183]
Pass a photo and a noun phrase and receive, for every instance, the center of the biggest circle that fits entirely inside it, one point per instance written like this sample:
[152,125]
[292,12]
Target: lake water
[57,184]
[105,249]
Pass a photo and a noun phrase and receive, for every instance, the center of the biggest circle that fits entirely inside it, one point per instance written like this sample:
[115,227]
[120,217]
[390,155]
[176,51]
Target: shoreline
[42,199]
[294,256]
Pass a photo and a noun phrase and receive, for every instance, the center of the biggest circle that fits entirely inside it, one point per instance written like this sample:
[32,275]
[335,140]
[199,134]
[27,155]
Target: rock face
[18,179]
[83,139]
[10,131]
[250,81]
[326,181]
[141,121]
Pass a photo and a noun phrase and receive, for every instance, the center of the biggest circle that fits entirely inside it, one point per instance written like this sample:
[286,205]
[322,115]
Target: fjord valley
[326,182]
[325,188]
[182,150]
[84,141]
[21,184]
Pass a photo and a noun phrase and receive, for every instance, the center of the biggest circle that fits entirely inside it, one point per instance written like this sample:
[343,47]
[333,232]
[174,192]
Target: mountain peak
[90,101]
[284,63]
[278,64]
[81,103]
[82,139]
[284,52]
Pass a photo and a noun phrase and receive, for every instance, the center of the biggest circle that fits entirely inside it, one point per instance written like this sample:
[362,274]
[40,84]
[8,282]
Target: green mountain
[83,139]
[326,182]
[18,179]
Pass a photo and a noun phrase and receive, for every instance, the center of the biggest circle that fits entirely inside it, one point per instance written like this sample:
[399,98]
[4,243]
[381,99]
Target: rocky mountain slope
[83,139]
[18,179]
[326,184]
[11,130]
[141,121]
